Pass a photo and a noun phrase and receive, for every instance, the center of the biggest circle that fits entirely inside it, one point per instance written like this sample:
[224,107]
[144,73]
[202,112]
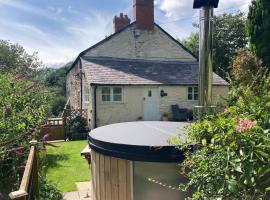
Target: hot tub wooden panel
[111,178]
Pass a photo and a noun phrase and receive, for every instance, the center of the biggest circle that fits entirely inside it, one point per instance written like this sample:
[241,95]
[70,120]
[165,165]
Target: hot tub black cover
[139,141]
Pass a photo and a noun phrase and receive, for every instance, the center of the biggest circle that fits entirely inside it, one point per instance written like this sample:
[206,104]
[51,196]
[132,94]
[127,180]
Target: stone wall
[133,43]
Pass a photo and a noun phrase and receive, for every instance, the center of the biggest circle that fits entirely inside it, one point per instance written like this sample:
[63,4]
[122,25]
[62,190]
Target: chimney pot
[120,22]
[144,14]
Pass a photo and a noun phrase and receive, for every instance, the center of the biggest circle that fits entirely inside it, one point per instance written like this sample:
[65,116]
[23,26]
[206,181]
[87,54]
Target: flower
[42,148]
[1,196]
[22,168]
[245,124]
[46,137]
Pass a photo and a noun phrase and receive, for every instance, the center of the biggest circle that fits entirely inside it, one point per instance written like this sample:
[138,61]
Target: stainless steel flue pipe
[206,62]
[206,56]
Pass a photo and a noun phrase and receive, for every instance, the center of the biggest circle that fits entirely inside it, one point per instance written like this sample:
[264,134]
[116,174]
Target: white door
[151,105]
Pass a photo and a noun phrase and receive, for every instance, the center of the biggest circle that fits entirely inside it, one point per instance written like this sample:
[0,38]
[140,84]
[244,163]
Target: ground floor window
[111,94]
[193,93]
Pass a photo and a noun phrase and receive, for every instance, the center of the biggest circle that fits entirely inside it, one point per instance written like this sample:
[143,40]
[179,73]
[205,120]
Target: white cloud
[56,49]
[175,9]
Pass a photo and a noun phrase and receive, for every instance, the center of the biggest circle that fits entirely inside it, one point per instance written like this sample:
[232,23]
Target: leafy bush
[22,110]
[48,191]
[232,155]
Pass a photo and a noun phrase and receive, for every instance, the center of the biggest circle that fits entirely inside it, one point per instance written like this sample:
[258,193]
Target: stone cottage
[136,73]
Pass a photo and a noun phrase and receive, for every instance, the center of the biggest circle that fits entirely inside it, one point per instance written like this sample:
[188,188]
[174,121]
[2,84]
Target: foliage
[22,109]
[245,67]
[57,105]
[14,58]
[54,80]
[192,43]
[232,155]
[48,190]
[229,35]
[77,124]
[259,30]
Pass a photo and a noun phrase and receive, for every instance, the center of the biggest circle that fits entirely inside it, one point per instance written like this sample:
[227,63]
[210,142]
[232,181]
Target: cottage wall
[131,109]
[133,43]
[73,87]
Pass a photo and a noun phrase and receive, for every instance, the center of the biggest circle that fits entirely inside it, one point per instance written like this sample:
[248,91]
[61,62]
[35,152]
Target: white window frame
[112,94]
[193,93]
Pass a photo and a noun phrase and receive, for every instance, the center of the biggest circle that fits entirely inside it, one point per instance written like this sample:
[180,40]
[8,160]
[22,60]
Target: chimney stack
[143,11]
[120,22]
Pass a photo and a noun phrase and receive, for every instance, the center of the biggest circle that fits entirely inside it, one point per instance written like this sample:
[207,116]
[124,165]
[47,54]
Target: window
[193,93]
[111,94]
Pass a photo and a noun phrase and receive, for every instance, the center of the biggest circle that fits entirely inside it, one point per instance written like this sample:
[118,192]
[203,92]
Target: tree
[258,28]
[54,80]
[246,67]
[192,43]
[229,35]
[14,58]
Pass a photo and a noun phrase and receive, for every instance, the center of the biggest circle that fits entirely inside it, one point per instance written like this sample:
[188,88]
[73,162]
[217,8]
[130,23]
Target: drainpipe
[94,109]
[205,58]
[81,77]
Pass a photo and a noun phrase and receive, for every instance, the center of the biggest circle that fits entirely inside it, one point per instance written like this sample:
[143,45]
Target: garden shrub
[48,190]
[231,158]
[22,110]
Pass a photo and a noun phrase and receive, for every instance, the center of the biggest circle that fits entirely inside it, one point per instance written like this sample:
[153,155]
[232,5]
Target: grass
[65,166]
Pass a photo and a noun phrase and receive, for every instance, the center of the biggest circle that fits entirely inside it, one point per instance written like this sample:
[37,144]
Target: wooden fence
[55,127]
[29,187]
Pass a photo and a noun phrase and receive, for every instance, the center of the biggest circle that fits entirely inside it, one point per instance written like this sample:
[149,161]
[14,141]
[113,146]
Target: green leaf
[204,142]
[232,185]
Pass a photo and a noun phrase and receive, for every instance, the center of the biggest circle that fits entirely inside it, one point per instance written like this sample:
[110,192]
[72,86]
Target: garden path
[83,193]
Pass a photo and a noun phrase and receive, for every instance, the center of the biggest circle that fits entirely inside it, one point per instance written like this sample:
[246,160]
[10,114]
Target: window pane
[190,90]
[189,96]
[105,93]
[196,96]
[105,90]
[195,89]
[106,97]
[117,90]
[117,97]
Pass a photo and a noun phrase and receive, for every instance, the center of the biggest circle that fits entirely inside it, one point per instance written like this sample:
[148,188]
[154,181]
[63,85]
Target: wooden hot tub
[126,156]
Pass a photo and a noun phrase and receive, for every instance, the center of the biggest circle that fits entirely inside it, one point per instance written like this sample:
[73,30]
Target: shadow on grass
[53,160]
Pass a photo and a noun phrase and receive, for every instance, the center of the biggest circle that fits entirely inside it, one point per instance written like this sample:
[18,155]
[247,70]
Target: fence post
[35,170]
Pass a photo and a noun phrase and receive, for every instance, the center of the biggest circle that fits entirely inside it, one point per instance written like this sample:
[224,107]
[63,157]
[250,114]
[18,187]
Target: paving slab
[71,196]
[84,189]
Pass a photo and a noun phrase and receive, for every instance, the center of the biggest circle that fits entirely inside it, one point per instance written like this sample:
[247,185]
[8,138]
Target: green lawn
[65,165]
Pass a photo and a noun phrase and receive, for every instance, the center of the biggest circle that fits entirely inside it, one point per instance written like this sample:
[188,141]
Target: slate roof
[113,71]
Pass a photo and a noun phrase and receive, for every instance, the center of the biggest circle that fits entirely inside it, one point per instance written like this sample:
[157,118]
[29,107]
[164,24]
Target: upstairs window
[111,94]
[193,93]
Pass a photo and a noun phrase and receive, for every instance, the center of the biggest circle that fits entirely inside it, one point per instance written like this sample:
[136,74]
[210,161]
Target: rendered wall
[131,109]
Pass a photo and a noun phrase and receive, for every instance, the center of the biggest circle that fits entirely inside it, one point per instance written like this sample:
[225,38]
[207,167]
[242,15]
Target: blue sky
[60,29]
